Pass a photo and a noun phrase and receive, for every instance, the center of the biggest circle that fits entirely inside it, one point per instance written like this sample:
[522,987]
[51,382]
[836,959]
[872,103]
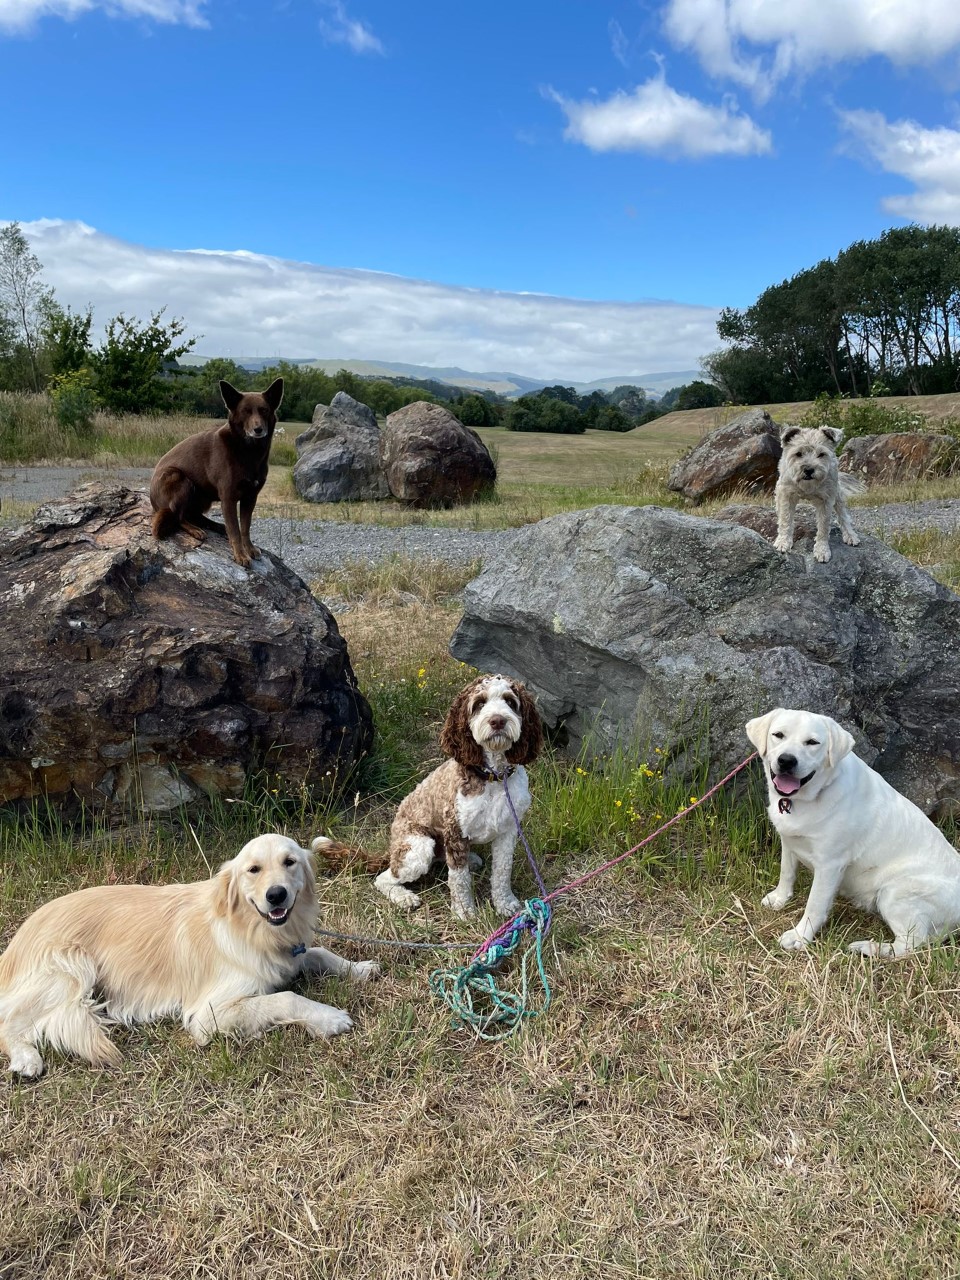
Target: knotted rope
[470,991]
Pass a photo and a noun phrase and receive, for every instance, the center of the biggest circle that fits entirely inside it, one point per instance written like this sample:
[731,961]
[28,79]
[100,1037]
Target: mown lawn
[695,1104]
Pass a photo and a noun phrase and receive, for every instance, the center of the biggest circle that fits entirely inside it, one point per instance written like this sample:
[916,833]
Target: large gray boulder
[645,625]
[743,455]
[431,459]
[339,454]
[899,456]
[146,674]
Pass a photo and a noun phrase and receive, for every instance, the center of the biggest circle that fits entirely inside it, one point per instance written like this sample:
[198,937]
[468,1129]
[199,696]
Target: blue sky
[688,151]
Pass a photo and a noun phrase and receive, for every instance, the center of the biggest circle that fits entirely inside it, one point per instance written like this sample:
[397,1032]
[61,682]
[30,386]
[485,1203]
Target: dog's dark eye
[776,735]
[811,742]
[289,862]
[822,453]
[252,871]
[511,701]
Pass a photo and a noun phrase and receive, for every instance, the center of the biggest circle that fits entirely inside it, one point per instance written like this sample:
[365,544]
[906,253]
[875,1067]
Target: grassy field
[697,1104]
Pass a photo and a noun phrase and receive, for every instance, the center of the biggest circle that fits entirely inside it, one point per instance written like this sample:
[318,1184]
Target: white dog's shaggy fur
[860,837]
[492,728]
[215,954]
[808,471]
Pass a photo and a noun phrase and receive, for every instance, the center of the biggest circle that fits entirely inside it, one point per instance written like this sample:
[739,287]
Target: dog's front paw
[26,1062]
[242,559]
[793,940]
[783,543]
[329,1022]
[364,971]
[508,907]
[851,540]
[775,901]
[821,552]
[253,552]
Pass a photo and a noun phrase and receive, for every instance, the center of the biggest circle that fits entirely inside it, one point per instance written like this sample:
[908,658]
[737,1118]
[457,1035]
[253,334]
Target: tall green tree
[25,302]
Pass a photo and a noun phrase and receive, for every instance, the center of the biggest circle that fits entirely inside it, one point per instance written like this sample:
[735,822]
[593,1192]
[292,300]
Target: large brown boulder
[339,454]
[431,459]
[742,456]
[147,673]
[901,455]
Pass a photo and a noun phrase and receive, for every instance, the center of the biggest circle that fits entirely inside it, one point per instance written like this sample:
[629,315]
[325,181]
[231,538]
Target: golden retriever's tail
[55,1003]
[337,854]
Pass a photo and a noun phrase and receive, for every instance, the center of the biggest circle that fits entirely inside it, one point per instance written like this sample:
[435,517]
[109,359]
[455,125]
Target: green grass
[696,1103]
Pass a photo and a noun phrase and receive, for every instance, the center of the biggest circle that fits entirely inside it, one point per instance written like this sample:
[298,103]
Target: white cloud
[929,158]
[658,119]
[340,28]
[619,44]
[249,304]
[758,42]
[22,15]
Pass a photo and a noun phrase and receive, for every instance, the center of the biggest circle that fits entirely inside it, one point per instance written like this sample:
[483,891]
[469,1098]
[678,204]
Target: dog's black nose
[275,895]
[785,763]
[808,473]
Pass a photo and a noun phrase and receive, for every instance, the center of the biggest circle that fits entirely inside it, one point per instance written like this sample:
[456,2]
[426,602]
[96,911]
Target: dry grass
[396,580]
[696,1105]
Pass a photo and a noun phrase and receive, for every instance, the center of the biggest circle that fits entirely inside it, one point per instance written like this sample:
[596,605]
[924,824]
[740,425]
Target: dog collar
[299,949]
[491,775]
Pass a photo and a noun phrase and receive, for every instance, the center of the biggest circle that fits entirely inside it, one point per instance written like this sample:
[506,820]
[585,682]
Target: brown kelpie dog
[227,464]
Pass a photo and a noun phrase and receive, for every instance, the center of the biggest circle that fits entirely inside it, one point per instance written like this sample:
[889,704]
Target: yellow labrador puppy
[215,954]
[859,837]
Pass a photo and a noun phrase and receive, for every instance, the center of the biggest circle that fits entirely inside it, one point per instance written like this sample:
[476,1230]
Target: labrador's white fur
[859,837]
[215,954]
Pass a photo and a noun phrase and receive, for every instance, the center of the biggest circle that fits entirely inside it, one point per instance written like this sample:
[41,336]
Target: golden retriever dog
[216,954]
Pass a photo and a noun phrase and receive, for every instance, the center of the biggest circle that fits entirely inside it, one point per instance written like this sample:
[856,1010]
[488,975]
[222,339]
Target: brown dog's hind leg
[174,505]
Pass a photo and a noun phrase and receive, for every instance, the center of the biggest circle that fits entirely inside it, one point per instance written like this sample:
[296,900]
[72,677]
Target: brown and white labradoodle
[808,472]
[491,729]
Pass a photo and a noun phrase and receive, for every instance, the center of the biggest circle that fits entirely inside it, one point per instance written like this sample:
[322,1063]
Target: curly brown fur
[492,725]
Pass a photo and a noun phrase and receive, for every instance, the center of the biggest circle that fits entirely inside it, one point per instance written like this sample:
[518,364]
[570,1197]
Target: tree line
[881,318]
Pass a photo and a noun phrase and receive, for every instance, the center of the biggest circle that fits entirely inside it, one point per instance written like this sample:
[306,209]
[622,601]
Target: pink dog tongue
[786,784]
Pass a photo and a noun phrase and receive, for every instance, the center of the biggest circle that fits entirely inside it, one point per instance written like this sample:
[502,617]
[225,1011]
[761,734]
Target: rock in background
[643,624]
[743,455]
[899,456]
[339,454]
[431,459]
[145,673]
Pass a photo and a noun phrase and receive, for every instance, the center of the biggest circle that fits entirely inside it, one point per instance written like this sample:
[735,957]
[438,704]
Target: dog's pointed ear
[527,747]
[788,433]
[833,434]
[758,730]
[274,394]
[226,897]
[231,396]
[456,740]
[839,742]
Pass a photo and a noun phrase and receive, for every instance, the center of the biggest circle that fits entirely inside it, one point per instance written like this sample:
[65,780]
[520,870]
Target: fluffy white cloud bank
[758,42]
[22,15]
[929,158]
[249,304]
[657,119]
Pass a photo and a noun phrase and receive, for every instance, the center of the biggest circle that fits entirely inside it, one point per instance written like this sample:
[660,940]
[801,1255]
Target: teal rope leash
[470,991]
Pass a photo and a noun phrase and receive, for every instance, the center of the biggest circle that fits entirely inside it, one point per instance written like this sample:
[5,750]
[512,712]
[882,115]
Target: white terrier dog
[808,470]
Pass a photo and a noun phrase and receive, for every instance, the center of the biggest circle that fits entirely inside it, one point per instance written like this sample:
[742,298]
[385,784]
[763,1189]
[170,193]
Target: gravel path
[313,546]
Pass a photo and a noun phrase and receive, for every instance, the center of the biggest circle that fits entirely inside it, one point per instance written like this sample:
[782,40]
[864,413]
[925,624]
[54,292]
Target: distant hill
[510,385]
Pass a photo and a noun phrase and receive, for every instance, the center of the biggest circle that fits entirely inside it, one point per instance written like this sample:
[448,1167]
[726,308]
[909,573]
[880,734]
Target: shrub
[74,400]
[870,418]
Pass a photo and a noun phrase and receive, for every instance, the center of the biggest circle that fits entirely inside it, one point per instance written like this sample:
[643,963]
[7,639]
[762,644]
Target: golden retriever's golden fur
[216,954]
